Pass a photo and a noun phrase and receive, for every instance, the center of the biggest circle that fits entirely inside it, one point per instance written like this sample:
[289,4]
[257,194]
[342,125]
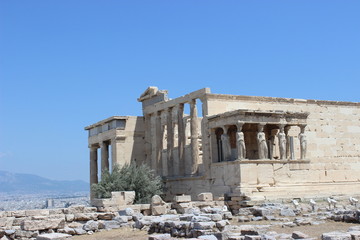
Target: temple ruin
[240,147]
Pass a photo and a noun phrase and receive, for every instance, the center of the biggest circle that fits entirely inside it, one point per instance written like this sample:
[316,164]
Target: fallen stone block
[158,210]
[85,216]
[248,230]
[33,225]
[336,236]
[160,237]
[299,235]
[91,225]
[26,234]
[53,236]
[37,212]
[79,231]
[56,211]
[106,216]
[17,214]
[182,199]
[157,200]
[252,237]
[207,237]
[208,196]
[287,212]
[7,222]
[67,230]
[200,219]
[203,225]
[74,209]
[111,224]
[355,235]
[121,219]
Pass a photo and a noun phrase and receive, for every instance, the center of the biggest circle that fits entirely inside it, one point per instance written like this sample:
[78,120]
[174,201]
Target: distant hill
[29,183]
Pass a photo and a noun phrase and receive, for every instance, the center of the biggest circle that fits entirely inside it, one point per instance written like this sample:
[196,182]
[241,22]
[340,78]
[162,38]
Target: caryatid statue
[303,142]
[262,145]
[240,141]
[226,145]
[282,142]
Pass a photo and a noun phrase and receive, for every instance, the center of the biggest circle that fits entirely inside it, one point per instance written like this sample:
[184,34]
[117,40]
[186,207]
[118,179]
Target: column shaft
[93,169]
[181,139]
[170,143]
[104,157]
[159,144]
[194,137]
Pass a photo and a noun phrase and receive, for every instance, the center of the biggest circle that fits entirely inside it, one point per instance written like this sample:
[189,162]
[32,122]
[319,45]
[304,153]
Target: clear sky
[67,64]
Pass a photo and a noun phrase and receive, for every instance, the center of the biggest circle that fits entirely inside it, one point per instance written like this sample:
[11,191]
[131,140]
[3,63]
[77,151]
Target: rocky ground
[186,219]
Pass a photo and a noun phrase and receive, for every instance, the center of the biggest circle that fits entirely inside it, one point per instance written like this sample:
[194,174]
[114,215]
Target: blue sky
[67,64]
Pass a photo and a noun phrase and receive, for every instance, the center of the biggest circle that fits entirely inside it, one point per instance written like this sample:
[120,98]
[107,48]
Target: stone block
[19,234]
[79,231]
[336,236]
[69,217]
[299,235]
[67,230]
[17,214]
[158,210]
[91,225]
[85,216]
[252,237]
[74,209]
[182,199]
[56,211]
[6,222]
[165,236]
[37,212]
[205,197]
[53,236]
[157,200]
[111,224]
[181,207]
[105,216]
[355,235]
[207,237]
[287,212]
[33,225]
[203,225]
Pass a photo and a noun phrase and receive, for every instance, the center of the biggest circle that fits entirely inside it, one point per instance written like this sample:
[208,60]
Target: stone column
[104,157]
[148,146]
[93,168]
[261,140]
[164,140]
[159,143]
[240,141]
[287,152]
[303,142]
[175,153]
[194,136]
[282,142]
[225,143]
[170,143]
[181,139]
[153,127]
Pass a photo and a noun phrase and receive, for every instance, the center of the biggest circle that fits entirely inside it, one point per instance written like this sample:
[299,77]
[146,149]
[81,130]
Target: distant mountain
[29,183]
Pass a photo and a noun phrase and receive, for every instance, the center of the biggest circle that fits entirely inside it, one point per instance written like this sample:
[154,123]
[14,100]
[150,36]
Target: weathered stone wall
[333,150]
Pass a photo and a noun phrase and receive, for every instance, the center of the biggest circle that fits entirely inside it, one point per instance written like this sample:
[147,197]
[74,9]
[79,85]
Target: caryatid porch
[250,135]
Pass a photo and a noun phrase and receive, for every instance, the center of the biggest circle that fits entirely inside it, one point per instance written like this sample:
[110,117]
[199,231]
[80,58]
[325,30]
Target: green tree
[130,177]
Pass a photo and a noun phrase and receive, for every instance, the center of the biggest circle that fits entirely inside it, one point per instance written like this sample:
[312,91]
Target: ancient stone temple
[241,146]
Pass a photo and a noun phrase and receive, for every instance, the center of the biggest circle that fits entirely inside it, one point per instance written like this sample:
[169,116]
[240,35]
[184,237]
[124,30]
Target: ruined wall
[333,149]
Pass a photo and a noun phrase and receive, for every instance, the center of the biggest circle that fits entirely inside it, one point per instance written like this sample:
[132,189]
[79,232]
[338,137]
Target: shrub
[130,177]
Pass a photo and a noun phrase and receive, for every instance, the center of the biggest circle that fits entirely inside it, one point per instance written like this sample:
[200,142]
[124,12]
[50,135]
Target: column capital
[239,125]
[261,127]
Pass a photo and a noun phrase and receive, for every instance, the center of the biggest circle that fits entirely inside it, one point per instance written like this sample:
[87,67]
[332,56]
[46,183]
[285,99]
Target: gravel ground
[314,231]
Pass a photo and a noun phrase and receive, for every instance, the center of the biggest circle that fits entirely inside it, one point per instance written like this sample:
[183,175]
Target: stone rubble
[182,218]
